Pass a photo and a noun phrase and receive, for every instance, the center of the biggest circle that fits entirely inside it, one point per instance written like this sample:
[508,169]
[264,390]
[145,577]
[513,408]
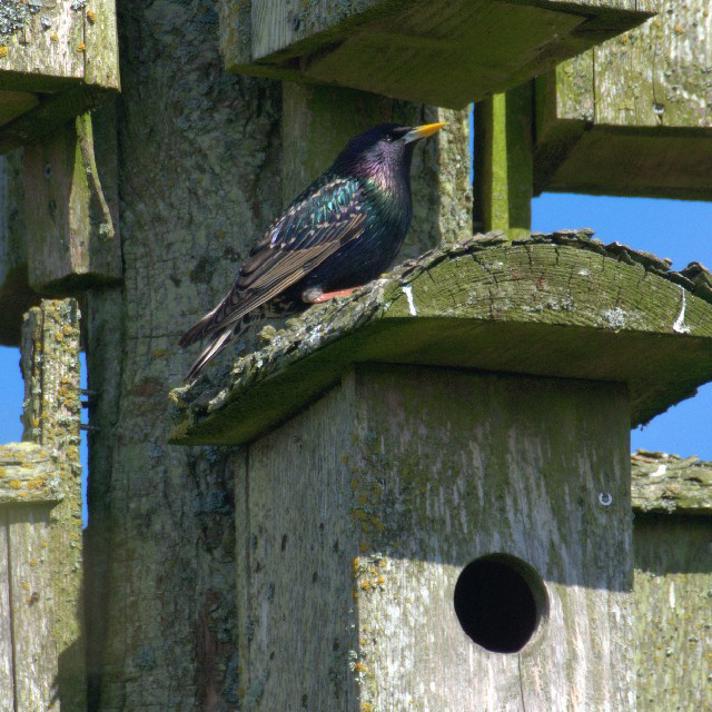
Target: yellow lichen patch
[15,484]
[91,16]
[25,586]
[54,37]
[360,667]
[4,51]
[366,707]
[81,47]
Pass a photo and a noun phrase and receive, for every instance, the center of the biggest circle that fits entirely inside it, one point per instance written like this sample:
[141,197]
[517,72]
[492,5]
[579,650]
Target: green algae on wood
[503,155]
[443,54]
[562,305]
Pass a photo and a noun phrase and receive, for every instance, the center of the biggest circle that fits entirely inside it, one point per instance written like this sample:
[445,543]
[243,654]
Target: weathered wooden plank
[673,580]
[571,310]
[32,591]
[7,675]
[102,47]
[669,483]
[44,40]
[51,416]
[360,523]
[442,54]
[28,473]
[503,162]
[631,116]
[70,222]
[16,297]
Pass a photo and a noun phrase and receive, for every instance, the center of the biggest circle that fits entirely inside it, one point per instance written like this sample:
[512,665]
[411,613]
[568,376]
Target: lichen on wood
[617,315]
[28,473]
[672,484]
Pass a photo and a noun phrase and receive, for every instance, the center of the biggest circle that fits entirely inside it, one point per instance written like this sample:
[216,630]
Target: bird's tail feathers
[199,329]
[216,345]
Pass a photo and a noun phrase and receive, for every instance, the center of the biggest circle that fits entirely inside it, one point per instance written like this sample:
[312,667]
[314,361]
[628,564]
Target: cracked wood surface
[561,305]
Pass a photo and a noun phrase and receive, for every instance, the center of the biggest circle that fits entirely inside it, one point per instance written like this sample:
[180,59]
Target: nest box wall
[57,59]
[631,116]
[437,53]
[365,511]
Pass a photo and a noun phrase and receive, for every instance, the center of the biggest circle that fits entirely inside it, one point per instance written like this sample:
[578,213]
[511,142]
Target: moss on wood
[669,483]
[560,305]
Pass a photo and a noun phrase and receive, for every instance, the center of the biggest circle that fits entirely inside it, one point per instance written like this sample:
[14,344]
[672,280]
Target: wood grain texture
[28,473]
[16,297]
[359,516]
[673,578]
[199,174]
[400,49]
[543,309]
[51,413]
[72,217]
[7,673]
[631,116]
[32,591]
[50,55]
[63,56]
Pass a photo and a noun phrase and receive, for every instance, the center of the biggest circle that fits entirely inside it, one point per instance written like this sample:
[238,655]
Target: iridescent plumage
[341,232]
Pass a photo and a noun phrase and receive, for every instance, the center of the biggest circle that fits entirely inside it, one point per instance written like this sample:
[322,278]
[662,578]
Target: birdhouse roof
[561,305]
[671,484]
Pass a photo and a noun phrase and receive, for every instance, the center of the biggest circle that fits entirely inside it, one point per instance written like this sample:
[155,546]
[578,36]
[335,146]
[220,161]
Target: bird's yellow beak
[423,131]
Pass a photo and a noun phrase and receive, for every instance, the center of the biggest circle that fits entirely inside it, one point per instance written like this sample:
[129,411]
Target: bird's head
[386,148]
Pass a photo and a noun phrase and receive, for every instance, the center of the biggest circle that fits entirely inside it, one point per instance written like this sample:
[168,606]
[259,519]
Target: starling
[343,231]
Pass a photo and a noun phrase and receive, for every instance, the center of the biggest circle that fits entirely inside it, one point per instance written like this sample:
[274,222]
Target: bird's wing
[321,220]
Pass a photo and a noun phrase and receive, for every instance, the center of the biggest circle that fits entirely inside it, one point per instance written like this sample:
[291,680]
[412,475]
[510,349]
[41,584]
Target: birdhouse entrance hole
[500,601]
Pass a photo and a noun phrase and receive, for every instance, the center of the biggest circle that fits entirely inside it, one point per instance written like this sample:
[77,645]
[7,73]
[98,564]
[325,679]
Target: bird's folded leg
[316,296]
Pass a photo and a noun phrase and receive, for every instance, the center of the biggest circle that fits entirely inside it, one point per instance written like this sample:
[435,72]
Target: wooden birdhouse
[433,505]
[57,59]
[632,116]
[438,53]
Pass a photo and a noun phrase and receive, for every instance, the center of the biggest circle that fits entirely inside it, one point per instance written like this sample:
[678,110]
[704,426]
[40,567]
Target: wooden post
[71,219]
[504,162]
[42,650]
